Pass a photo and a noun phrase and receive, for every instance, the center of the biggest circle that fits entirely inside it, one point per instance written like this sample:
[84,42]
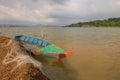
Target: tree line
[111,22]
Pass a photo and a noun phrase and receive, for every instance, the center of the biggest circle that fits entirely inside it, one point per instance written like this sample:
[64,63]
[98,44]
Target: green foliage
[111,22]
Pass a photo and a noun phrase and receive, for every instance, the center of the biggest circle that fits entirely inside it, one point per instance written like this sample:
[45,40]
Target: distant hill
[111,22]
[12,25]
[18,23]
[21,25]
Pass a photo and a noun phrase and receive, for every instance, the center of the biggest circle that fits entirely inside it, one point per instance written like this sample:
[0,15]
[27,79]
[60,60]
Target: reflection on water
[57,69]
[96,52]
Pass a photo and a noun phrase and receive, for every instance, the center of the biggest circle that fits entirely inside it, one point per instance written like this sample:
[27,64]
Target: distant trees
[99,23]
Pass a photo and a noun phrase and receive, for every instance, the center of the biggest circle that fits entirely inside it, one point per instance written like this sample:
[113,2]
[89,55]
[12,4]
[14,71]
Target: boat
[46,48]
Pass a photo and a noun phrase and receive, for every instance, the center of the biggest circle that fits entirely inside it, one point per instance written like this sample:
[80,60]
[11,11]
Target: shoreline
[16,63]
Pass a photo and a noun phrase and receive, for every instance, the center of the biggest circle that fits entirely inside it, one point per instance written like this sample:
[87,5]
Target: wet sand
[96,52]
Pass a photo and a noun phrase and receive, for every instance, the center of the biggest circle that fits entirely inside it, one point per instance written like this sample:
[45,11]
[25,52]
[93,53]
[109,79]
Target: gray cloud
[61,2]
[57,12]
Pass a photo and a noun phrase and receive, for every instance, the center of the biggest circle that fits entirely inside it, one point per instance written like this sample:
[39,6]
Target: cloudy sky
[57,12]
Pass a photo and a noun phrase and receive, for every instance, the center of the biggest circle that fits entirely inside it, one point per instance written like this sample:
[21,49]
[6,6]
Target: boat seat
[35,40]
[45,44]
[31,40]
[40,42]
[26,38]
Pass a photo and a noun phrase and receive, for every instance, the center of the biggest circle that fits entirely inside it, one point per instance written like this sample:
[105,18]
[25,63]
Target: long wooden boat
[46,49]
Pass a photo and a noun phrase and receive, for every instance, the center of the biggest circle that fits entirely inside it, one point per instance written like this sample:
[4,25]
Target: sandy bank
[16,63]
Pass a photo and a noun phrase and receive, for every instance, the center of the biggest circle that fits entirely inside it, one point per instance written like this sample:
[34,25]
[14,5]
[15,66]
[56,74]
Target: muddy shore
[16,63]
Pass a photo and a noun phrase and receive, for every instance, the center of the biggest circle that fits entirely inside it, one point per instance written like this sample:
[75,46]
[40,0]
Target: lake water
[96,52]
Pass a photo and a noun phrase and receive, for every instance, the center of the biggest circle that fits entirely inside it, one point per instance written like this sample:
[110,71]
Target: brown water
[96,52]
